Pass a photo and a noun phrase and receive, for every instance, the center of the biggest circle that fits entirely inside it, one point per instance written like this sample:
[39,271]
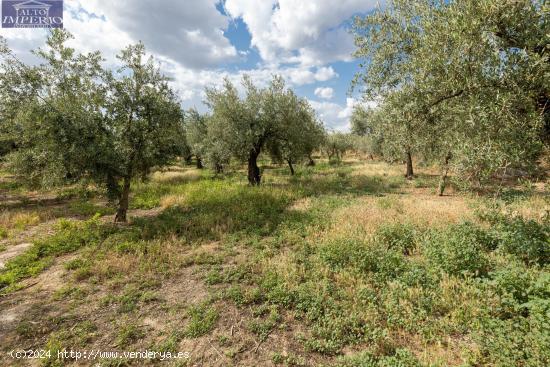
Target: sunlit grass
[363,262]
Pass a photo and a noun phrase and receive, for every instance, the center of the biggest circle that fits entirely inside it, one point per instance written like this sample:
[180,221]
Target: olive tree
[337,144]
[300,133]
[218,150]
[365,126]
[72,119]
[453,71]
[195,133]
[144,118]
[269,119]
[206,141]
[55,112]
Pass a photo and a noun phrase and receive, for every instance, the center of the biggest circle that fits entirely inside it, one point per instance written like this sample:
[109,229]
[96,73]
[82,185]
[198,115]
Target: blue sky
[240,37]
[200,42]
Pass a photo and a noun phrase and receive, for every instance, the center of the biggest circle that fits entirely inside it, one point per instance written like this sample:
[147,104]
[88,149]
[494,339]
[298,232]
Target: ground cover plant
[341,265]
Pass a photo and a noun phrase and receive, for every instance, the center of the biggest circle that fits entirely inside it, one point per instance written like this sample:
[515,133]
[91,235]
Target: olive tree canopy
[71,119]
[271,118]
[467,79]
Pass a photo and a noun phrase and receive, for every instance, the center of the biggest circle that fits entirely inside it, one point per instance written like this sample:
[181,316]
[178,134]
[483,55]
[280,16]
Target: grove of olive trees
[462,83]
[245,232]
[273,119]
[71,119]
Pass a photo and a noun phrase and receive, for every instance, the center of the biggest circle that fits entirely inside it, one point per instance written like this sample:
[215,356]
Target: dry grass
[15,221]
[376,169]
[351,202]
[175,176]
[172,200]
[368,213]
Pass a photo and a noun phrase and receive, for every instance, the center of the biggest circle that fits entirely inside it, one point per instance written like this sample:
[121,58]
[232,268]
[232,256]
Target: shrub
[526,239]
[458,249]
[518,333]
[3,233]
[382,264]
[397,236]
[341,253]
[203,318]
[401,358]
[367,258]
[419,274]
[519,341]
[335,330]
[263,328]
[128,333]
[511,285]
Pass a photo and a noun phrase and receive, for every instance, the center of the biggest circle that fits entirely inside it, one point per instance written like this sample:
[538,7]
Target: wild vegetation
[464,84]
[349,265]
[247,234]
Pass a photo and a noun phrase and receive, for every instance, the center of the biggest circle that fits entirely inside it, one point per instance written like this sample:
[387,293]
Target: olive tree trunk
[410,173]
[123,202]
[444,173]
[310,162]
[199,163]
[254,177]
[289,161]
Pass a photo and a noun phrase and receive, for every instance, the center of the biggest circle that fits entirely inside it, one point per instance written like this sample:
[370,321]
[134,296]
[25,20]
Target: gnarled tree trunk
[199,163]
[123,201]
[443,179]
[254,177]
[311,162]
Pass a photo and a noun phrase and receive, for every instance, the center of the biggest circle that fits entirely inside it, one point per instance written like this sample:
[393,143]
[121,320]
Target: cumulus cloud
[314,28]
[190,32]
[300,75]
[335,116]
[324,92]
[295,39]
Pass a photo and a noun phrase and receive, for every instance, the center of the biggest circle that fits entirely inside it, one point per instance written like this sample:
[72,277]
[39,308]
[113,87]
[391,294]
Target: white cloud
[346,112]
[313,28]
[324,92]
[186,37]
[305,75]
[296,39]
[189,32]
[335,116]
[325,73]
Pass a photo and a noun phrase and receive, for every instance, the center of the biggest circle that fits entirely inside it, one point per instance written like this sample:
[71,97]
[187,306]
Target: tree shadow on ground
[213,208]
[252,210]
